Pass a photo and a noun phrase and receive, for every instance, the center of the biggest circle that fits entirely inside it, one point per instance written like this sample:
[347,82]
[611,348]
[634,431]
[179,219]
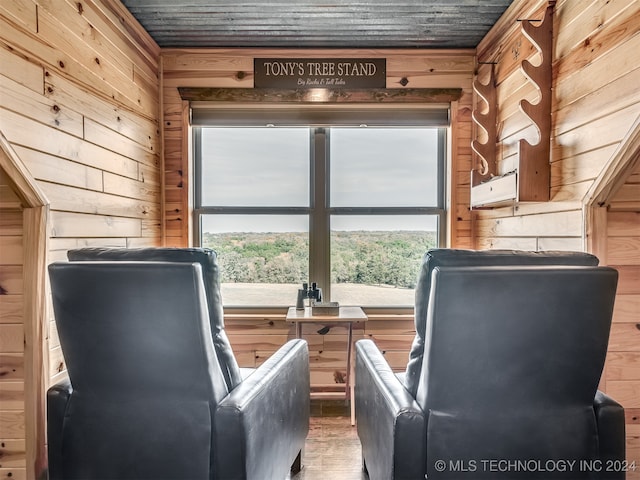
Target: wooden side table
[347,316]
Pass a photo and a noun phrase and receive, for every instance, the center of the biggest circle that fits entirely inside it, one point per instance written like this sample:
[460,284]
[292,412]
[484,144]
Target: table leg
[349,392]
[298,329]
[353,406]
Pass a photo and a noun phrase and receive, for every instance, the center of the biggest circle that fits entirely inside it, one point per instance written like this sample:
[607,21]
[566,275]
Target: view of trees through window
[378,258]
[380,266]
[262,207]
[264,257]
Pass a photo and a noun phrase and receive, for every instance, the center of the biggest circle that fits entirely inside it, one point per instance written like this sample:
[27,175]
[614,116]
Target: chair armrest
[57,400]
[391,425]
[261,426]
[611,432]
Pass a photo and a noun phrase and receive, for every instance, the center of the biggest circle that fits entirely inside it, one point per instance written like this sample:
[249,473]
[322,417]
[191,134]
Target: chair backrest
[441,257]
[146,380]
[513,357]
[211,274]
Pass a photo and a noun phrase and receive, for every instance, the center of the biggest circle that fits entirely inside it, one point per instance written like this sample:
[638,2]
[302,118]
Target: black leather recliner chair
[510,358]
[449,257]
[147,396]
[207,259]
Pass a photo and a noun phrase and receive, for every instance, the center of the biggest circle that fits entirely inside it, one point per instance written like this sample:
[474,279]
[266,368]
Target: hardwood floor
[332,450]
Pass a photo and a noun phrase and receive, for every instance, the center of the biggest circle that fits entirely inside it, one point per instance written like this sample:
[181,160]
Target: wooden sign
[320,73]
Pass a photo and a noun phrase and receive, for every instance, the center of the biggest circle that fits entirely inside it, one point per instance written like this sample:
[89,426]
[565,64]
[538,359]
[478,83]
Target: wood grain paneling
[79,104]
[621,243]
[256,336]
[73,109]
[12,372]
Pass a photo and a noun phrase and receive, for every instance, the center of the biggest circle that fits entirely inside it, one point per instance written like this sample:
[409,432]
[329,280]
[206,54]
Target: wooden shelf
[494,192]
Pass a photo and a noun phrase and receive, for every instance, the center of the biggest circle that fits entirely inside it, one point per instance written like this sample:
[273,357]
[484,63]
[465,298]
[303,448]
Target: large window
[350,208]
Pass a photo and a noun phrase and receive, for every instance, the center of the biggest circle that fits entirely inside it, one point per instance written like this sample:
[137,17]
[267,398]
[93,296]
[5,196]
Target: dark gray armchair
[147,397]
[207,259]
[449,257]
[510,357]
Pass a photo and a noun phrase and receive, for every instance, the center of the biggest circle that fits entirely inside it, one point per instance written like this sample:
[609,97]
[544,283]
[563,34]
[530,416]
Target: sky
[270,166]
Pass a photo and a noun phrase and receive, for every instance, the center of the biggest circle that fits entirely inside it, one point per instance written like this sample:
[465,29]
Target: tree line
[363,257]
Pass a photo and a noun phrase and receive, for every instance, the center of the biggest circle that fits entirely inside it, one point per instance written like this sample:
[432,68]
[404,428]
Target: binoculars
[313,293]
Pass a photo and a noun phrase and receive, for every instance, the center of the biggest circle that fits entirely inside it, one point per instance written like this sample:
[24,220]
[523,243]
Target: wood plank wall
[12,374]
[233,68]
[80,105]
[596,102]
[622,370]
[24,239]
